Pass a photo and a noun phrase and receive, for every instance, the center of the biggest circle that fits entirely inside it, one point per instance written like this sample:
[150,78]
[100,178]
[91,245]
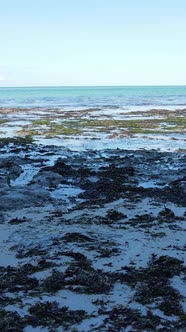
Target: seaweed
[51,315]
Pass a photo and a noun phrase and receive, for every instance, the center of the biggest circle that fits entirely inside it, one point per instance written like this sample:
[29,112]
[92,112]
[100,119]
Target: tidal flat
[126,129]
[92,220]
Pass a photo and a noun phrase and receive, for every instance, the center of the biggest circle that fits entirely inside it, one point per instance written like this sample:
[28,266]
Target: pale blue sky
[92,42]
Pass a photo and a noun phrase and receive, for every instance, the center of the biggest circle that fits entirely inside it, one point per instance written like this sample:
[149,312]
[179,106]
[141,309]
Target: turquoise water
[103,97]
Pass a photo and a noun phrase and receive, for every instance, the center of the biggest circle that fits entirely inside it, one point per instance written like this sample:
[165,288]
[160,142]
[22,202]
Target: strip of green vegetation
[28,132]
[41,122]
[81,126]
[128,124]
[62,130]
[178,120]
[175,129]
[177,124]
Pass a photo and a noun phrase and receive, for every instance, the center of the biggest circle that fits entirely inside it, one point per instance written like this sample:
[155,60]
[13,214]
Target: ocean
[123,97]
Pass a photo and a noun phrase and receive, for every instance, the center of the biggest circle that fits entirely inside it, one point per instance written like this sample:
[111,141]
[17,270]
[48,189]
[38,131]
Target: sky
[92,42]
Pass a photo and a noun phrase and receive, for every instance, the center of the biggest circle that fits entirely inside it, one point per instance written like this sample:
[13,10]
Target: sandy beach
[92,239]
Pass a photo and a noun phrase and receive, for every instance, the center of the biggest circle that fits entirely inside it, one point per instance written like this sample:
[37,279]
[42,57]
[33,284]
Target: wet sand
[91,240]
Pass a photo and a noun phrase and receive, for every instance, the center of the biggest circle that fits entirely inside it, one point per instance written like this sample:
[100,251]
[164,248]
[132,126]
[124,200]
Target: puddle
[150,184]
[66,190]
[28,173]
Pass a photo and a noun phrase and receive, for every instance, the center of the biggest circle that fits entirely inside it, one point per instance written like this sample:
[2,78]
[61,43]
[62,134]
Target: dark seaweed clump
[47,314]
[50,314]
[81,277]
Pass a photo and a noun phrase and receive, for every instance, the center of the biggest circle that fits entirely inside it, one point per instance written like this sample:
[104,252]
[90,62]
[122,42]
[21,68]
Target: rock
[13,169]
[47,179]
[61,168]
[16,198]
[114,215]
[166,215]
[16,220]
[77,237]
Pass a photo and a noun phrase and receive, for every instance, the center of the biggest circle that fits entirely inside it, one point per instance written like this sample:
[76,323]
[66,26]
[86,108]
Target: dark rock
[114,215]
[18,220]
[61,168]
[166,215]
[76,237]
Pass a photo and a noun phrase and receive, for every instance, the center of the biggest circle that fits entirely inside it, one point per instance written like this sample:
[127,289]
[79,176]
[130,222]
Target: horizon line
[91,86]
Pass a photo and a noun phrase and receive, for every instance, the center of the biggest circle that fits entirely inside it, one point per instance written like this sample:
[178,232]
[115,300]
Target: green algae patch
[16,140]
[64,130]
[80,123]
[176,123]
[41,122]
[82,126]
[177,120]
[53,129]
[3,122]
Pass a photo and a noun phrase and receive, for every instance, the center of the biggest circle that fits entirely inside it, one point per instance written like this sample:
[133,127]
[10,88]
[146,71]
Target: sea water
[122,97]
